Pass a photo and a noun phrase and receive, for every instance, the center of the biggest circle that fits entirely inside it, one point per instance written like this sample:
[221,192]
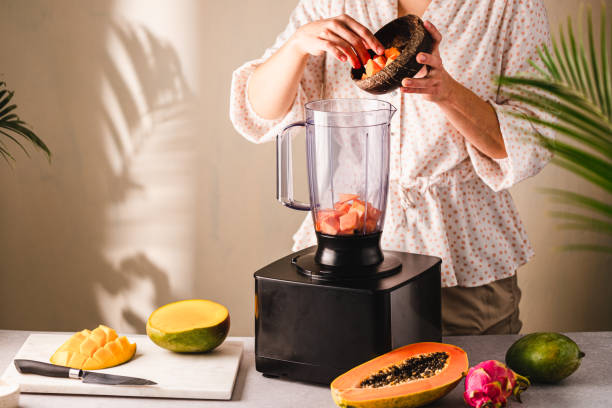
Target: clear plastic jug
[347,147]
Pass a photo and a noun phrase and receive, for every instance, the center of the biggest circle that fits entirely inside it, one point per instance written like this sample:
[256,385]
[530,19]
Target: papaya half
[410,376]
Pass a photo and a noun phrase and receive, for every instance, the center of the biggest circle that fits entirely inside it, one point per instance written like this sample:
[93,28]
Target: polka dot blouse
[446,198]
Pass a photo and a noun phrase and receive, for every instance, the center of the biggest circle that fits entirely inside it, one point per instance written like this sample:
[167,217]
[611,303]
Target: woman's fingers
[435,34]
[364,33]
[334,41]
[429,59]
[433,31]
[352,38]
[333,50]
[432,90]
[420,83]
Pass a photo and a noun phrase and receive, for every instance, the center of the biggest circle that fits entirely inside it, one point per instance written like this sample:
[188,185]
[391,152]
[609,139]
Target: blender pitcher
[347,148]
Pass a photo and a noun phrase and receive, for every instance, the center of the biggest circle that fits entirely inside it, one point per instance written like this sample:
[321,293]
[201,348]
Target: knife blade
[51,370]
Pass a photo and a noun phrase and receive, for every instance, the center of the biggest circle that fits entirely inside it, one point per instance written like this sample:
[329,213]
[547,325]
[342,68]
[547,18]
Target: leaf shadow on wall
[151,126]
[103,234]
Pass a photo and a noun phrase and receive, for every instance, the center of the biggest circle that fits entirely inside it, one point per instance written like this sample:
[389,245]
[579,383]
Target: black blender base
[314,330]
[272,368]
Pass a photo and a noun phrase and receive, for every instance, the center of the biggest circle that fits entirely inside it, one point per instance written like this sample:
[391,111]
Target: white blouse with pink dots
[446,198]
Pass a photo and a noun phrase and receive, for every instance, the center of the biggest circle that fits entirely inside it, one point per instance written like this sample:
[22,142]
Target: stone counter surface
[589,387]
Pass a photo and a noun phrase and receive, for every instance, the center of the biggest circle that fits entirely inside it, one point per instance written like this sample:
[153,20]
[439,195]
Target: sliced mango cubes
[373,65]
[349,216]
[93,350]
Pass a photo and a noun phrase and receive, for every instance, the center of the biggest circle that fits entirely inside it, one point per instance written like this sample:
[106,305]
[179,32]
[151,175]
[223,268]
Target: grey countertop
[590,386]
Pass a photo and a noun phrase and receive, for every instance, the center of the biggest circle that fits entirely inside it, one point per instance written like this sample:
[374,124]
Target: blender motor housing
[313,328]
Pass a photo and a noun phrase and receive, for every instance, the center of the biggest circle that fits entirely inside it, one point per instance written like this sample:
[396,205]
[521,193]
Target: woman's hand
[432,81]
[340,36]
[472,116]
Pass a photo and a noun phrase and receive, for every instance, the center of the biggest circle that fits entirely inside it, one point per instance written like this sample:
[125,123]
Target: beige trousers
[487,309]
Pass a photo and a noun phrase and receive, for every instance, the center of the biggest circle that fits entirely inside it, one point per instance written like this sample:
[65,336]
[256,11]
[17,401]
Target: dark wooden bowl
[409,36]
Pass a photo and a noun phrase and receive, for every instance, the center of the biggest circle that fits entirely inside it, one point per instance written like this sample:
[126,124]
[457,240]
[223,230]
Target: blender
[327,308]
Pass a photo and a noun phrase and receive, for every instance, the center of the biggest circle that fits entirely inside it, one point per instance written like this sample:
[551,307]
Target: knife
[51,370]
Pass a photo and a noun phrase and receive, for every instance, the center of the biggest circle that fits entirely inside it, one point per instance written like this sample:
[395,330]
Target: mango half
[189,326]
[94,350]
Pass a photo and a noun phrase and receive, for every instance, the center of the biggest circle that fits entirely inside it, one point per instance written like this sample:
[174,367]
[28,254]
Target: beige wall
[152,196]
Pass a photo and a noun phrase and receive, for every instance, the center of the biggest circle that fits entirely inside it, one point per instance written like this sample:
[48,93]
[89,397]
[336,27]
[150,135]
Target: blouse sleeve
[245,120]
[525,28]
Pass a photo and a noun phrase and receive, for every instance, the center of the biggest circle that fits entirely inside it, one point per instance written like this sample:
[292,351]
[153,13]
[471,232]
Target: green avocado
[544,357]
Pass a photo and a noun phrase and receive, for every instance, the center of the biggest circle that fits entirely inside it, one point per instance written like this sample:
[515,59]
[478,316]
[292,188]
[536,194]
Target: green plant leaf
[594,65]
[16,141]
[602,147]
[582,128]
[571,62]
[6,100]
[590,176]
[605,71]
[559,91]
[587,247]
[6,155]
[579,200]
[579,221]
[16,126]
[7,110]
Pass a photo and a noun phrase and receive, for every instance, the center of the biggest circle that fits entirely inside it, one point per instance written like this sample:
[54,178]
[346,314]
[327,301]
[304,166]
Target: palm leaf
[574,89]
[580,221]
[14,128]
[587,247]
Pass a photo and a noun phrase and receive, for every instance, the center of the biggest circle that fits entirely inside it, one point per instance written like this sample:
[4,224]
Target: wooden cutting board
[198,376]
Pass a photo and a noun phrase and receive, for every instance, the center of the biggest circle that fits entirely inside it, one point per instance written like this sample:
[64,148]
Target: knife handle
[46,369]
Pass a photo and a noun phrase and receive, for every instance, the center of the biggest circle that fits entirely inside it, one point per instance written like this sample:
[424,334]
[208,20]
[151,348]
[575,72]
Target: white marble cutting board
[198,376]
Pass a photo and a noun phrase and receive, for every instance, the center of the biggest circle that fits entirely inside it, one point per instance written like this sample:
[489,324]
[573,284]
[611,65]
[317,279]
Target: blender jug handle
[284,170]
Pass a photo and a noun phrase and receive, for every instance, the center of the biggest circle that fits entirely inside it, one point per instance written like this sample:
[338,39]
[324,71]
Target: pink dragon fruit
[490,383]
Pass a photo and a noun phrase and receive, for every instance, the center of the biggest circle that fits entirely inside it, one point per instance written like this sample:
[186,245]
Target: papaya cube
[359,224]
[373,213]
[342,207]
[330,226]
[328,212]
[389,61]
[343,197]
[348,222]
[380,60]
[370,225]
[372,68]
[359,207]
[392,53]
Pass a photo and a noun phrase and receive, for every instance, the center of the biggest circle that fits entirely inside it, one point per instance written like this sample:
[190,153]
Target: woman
[454,148]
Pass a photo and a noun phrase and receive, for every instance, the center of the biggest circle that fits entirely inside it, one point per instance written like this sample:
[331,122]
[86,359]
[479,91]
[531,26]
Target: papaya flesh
[94,350]
[410,376]
[378,62]
[349,216]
